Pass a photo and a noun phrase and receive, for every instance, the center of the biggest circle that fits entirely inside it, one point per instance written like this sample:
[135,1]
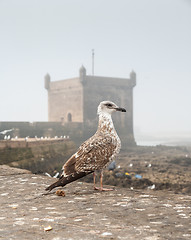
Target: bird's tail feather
[65,180]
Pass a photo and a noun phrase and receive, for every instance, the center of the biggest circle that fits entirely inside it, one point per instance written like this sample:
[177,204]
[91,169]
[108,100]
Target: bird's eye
[109,105]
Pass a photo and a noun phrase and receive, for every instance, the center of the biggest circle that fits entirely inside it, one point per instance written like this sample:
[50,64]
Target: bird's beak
[120,109]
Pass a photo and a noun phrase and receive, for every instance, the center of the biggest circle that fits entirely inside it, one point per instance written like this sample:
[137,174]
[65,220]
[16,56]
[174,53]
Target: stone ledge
[87,214]
[6,170]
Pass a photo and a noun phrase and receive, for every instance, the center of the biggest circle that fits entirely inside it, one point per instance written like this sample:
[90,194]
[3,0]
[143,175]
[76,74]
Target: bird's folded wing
[92,155]
[93,143]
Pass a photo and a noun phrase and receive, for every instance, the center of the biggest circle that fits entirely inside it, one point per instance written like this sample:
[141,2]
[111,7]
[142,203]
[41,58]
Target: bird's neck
[105,123]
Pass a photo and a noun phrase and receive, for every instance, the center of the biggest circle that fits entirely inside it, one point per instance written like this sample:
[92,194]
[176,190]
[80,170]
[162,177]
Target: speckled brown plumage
[93,155]
[96,152]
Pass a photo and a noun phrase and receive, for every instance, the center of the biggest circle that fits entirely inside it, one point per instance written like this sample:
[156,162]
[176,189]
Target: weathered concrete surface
[88,214]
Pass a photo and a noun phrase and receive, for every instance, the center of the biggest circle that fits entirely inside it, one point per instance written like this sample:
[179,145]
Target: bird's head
[109,107]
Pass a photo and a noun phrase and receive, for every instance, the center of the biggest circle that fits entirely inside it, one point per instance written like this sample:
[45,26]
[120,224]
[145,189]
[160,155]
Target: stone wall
[118,90]
[65,101]
[36,156]
[23,143]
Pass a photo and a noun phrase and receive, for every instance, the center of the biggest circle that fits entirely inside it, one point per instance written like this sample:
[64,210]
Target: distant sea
[166,143]
[149,143]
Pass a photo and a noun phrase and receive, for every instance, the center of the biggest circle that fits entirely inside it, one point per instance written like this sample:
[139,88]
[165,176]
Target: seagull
[96,152]
[6,131]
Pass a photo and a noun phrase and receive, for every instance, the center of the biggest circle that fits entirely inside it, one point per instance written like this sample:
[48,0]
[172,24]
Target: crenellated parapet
[82,73]
[47,81]
[133,78]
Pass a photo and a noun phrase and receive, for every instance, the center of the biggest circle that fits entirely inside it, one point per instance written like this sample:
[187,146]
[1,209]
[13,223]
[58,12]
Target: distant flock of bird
[8,137]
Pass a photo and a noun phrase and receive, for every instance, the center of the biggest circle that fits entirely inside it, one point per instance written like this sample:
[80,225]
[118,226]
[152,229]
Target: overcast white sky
[151,37]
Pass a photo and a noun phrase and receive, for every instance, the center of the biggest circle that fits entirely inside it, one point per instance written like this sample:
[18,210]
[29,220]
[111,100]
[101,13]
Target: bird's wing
[92,155]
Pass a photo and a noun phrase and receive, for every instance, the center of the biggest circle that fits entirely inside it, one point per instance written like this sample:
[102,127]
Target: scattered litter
[127,175]
[179,210]
[144,196]
[80,198]
[156,223]
[47,174]
[178,206]
[33,209]
[60,193]
[106,234]
[186,235]
[19,219]
[167,205]
[180,225]
[118,166]
[182,214]
[131,188]
[47,219]
[119,175]
[138,176]
[19,223]
[56,175]
[23,179]
[4,194]
[151,215]
[112,166]
[140,209]
[33,183]
[78,220]
[14,206]
[46,229]
[151,187]
[131,164]
[149,165]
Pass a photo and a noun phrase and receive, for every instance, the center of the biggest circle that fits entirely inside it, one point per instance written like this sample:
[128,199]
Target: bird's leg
[95,188]
[101,184]
[94,176]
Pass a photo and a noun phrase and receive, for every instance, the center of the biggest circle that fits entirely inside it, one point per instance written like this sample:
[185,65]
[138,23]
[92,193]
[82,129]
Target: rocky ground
[157,168]
[25,213]
[160,167]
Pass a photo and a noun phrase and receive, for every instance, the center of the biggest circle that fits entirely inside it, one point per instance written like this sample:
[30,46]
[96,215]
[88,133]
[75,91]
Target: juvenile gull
[96,152]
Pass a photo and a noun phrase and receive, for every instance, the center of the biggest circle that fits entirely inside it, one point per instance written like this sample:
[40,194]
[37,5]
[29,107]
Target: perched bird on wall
[96,152]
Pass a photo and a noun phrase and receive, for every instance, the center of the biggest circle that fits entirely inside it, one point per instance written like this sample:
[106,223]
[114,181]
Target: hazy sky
[56,36]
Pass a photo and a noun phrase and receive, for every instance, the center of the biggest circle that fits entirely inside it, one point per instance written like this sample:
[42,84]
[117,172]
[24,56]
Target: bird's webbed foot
[101,189]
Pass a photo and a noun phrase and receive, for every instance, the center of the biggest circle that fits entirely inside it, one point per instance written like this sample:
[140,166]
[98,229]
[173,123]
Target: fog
[151,37]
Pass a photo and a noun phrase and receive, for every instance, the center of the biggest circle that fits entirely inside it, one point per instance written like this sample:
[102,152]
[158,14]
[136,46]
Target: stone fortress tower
[74,101]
